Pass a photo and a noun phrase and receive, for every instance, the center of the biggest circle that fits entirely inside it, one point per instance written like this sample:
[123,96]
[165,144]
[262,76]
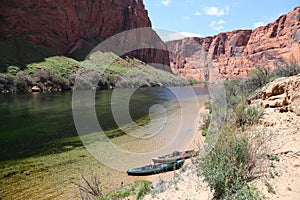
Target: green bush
[208,106]
[252,114]
[205,126]
[207,118]
[13,70]
[58,64]
[100,71]
[228,164]
[143,189]
[48,80]
[235,92]
[259,77]
[245,192]
[247,114]
[225,167]
[139,189]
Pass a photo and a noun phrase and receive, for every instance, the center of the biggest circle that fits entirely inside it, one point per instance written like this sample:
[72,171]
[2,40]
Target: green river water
[35,124]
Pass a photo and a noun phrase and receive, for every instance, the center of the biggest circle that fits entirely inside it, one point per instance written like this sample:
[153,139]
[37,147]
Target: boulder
[282,93]
[35,89]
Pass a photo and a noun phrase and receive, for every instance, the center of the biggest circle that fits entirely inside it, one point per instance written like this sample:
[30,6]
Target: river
[30,123]
[39,140]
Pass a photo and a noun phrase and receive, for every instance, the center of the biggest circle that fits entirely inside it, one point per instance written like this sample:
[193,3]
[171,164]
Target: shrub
[246,192]
[143,189]
[225,167]
[23,81]
[229,162]
[83,81]
[206,123]
[49,80]
[235,92]
[257,78]
[252,114]
[208,106]
[286,70]
[90,189]
[221,168]
[207,118]
[58,64]
[139,189]
[237,103]
[247,114]
[13,70]
[7,83]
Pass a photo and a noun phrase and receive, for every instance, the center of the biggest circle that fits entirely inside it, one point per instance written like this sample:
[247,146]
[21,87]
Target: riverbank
[52,176]
[274,146]
[100,71]
[186,183]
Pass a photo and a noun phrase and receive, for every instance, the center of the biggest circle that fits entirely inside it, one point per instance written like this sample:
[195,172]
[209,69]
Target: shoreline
[185,183]
[52,176]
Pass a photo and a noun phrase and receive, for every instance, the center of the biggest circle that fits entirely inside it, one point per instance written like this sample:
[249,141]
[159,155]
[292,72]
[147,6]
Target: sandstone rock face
[69,27]
[236,53]
[281,131]
[282,93]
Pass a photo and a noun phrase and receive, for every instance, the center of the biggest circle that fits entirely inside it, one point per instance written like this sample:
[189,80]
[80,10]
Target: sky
[201,18]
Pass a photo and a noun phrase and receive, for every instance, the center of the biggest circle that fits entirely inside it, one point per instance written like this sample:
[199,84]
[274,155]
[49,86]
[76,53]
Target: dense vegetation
[229,165]
[100,71]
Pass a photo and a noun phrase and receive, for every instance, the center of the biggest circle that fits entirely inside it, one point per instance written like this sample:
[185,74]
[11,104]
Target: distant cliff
[33,29]
[236,53]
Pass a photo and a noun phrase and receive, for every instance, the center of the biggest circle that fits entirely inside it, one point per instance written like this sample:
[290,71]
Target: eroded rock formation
[33,29]
[282,93]
[236,53]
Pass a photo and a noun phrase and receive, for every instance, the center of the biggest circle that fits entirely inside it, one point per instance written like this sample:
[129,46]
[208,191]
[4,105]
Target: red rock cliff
[236,53]
[69,27]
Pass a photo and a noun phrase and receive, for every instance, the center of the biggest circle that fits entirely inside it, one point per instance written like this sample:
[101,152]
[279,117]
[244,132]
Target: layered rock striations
[33,29]
[236,53]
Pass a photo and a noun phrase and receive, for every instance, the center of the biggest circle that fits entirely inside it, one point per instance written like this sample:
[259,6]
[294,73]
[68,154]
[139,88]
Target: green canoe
[155,168]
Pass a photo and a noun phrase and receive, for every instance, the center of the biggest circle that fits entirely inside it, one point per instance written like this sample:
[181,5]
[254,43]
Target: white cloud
[217,25]
[165,2]
[258,24]
[214,11]
[180,35]
[197,14]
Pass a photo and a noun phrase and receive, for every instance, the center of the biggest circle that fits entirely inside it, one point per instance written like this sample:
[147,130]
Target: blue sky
[210,17]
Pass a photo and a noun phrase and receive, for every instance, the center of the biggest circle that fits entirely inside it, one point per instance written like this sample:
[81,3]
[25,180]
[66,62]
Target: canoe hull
[176,156]
[155,168]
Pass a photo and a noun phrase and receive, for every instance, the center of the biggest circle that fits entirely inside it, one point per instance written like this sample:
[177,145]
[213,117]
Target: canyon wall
[33,29]
[236,53]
